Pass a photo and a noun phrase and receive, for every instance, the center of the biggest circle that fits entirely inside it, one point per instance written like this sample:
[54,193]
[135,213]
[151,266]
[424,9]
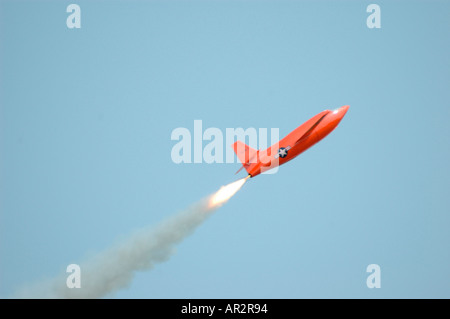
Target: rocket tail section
[247,155]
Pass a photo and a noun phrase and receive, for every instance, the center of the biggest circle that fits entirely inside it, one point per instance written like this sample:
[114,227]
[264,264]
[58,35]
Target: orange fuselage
[296,142]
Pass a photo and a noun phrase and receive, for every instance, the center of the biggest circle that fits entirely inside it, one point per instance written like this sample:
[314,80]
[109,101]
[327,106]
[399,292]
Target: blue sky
[87,115]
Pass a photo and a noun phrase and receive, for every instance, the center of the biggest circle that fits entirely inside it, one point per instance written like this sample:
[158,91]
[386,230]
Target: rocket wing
[306,128]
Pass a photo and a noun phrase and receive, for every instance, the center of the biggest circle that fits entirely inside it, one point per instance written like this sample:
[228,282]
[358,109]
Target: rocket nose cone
[340,112]
[344,109]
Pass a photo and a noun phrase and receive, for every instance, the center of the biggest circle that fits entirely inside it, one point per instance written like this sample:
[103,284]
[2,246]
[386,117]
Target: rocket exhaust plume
[114,268]
[226,192]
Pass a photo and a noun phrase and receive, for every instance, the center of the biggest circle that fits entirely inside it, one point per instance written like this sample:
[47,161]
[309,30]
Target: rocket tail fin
[247,155]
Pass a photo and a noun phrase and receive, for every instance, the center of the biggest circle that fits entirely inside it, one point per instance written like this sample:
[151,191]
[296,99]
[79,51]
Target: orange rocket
[299,140]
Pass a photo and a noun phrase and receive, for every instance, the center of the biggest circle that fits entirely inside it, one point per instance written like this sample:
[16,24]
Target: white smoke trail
[114,268]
